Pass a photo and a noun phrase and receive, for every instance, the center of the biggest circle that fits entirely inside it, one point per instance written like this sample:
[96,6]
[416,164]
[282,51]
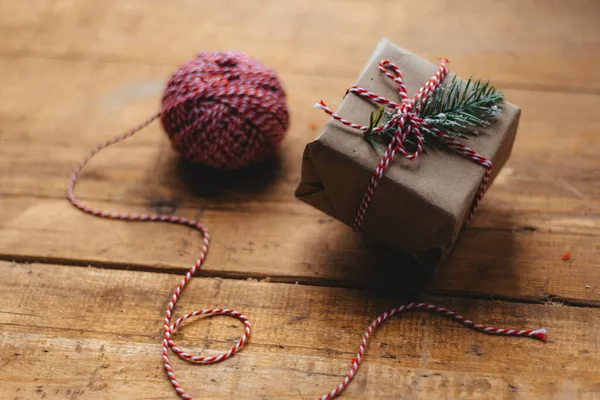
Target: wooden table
[83,298]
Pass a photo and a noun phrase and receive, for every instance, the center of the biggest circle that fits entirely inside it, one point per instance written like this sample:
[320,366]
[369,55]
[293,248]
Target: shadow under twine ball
[224,110]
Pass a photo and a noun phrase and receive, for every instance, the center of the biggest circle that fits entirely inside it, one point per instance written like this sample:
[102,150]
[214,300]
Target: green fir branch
[455,108]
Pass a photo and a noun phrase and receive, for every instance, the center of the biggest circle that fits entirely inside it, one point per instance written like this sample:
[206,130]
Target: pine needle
[455,108]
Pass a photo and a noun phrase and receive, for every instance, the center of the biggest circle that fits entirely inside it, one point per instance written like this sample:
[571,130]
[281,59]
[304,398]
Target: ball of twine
[224,110]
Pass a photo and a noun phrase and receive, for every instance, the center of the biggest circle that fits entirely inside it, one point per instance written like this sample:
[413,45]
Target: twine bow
[404,121]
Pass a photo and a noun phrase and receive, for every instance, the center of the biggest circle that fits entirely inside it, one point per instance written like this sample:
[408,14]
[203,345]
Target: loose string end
[541,334]
[321,106]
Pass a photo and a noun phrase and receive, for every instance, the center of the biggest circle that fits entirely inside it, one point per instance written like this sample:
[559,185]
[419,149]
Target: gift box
[420,205]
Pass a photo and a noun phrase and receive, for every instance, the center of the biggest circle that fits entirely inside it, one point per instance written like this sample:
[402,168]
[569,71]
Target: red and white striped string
[170,326]
[404,120]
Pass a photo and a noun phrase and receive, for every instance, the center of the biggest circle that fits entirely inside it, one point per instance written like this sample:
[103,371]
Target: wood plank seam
[546,299]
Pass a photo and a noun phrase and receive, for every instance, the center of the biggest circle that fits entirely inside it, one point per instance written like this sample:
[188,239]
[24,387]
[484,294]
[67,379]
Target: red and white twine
[224,110]
[170,326]
[404,120]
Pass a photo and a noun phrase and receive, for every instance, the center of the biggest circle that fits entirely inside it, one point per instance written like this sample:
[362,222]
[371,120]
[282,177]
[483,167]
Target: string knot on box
[405,120]
[224,110]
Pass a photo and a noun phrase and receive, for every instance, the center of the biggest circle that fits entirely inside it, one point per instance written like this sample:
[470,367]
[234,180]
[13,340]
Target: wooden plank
[554,48]
[535,189]
[522,265]
[317,250]
[308,248]
[108,323]
[259,228]
[76,71]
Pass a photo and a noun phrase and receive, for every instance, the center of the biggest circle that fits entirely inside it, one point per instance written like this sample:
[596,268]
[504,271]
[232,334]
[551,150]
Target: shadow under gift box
[419,206]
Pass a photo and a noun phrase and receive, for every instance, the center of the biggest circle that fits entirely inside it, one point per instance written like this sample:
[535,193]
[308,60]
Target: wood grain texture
[108,323]
[74,73]
[536,211]
[551,46]
[307,248]
[533,190]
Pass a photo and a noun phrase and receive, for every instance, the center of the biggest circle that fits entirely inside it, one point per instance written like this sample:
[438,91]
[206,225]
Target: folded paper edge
[311,189]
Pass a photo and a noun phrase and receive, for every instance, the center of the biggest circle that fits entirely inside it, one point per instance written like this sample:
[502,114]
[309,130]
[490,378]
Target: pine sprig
[455,108]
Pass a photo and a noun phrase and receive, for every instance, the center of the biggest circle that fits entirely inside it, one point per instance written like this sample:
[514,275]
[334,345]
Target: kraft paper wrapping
[419,206]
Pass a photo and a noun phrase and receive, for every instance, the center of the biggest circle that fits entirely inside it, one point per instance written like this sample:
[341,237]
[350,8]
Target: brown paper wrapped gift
[420,206]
